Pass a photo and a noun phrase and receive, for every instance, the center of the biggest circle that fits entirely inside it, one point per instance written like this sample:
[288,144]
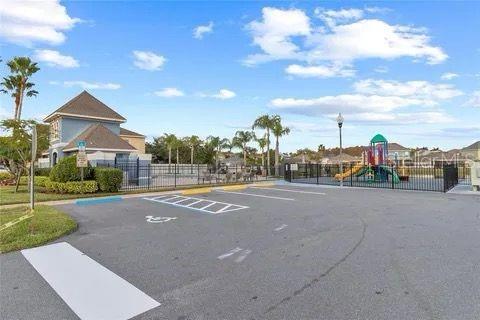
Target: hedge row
[39,181]
[109,179]
[66,170]
[88,186]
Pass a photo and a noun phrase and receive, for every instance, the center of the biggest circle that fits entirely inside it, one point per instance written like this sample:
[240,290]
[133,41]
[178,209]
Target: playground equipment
[376,156]
[349,172]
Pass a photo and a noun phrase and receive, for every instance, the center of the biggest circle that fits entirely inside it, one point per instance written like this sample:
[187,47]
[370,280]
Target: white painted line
[229,253]
[191,204]
[224,208]
[283,226]
[167,200]
[290,190]
[181,200]
[92,291]
[243,255]
[208,205]
[256,195]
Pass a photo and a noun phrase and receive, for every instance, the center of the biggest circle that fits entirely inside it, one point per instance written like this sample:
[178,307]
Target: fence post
[393,180]
[198,173]
[175,175]
[149,175]
[317,172]
[138,171]
[351,175]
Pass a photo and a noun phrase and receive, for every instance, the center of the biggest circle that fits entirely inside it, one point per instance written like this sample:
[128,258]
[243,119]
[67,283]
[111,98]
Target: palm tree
[278,131]
[21,68]
[218,144]
[170,141]
[265,122]
[262,143]
[241,139]
[192,142]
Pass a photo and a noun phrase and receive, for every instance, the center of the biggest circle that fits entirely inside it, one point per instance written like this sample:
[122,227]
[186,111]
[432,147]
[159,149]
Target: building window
[54,130]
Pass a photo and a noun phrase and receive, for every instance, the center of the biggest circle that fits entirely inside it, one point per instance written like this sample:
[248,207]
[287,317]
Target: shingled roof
[87,106]
[473,146]
[98,136]
[126,132]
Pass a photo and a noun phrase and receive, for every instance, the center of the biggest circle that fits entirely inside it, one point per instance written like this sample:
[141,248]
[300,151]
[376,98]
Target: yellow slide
[349,172]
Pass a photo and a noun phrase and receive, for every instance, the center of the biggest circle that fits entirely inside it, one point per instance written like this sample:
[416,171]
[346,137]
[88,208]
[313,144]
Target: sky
[408,70]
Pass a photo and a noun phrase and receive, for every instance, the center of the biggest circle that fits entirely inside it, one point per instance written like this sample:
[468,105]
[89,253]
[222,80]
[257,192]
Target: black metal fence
[137,176]
[439,179]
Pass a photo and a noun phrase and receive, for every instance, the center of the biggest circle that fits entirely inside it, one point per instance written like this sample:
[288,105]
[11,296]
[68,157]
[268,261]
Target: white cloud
[419,89]
[90,85]
[333,17]
[27,22]
[474,100]
[378,101]
[148,60]
[323,71]
[449,76]
[200,31]
[345,37]
[273,34]
[344,103]
[169,93]
[223,94]
[56,59]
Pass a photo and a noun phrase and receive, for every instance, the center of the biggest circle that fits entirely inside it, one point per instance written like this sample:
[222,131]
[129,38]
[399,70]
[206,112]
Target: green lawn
[9,196]
[47,224]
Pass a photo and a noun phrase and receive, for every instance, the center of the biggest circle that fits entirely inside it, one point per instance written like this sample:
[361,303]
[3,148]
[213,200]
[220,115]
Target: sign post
[32,167]
[82,161]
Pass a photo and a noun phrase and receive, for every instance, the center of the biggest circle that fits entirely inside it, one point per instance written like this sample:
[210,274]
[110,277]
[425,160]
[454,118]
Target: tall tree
[218,144]
[278,131]
[241,139]
[15,147]
[265,122]
[193,142]
[170,141]
[17,84]
[262,143]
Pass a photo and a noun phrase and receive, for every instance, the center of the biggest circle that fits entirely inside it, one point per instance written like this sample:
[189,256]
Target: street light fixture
[340,124]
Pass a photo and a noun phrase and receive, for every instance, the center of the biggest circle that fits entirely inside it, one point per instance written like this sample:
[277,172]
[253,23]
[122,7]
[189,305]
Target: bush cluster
[39,180]
[87,186]
[66,170]
[5,176]
[43,172]
[109,179]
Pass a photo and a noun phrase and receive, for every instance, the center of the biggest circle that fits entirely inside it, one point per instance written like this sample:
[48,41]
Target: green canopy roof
[378,138]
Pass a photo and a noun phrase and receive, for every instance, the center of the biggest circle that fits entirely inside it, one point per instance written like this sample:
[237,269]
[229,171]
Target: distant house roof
[396,146]
[126,132]
[473,146]
[343,158]
[86,106]
[99,137]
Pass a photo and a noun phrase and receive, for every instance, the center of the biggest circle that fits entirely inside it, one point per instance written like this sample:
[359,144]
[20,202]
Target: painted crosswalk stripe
[197,204]
[88,288]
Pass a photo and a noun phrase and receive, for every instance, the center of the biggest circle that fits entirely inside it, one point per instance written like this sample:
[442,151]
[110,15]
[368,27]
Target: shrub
[109,179]
[42,172]
[66,170]
[39,180]
[88,186]
[5,176]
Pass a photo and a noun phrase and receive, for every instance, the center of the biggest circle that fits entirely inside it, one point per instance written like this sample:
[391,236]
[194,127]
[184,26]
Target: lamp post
[340,123]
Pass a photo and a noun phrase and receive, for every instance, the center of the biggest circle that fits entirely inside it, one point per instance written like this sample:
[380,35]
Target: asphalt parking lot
[281,252]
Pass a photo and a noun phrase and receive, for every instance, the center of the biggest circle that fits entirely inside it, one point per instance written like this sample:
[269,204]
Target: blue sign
[81,144]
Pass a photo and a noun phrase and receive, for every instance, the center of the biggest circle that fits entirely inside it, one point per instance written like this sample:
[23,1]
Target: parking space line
[178,200]
[229,253]
[290,190]
[88,288]
[256,195]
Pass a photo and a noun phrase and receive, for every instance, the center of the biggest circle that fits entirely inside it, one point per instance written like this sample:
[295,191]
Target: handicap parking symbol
[153,219]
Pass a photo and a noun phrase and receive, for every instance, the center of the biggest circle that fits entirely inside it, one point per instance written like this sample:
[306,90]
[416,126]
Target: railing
[138,176]
[419,178]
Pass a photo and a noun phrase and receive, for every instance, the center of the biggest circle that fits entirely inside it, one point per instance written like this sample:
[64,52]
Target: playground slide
[349,172]
[394,174]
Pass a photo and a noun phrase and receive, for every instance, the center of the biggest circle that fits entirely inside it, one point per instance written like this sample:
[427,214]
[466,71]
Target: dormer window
[55,130]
